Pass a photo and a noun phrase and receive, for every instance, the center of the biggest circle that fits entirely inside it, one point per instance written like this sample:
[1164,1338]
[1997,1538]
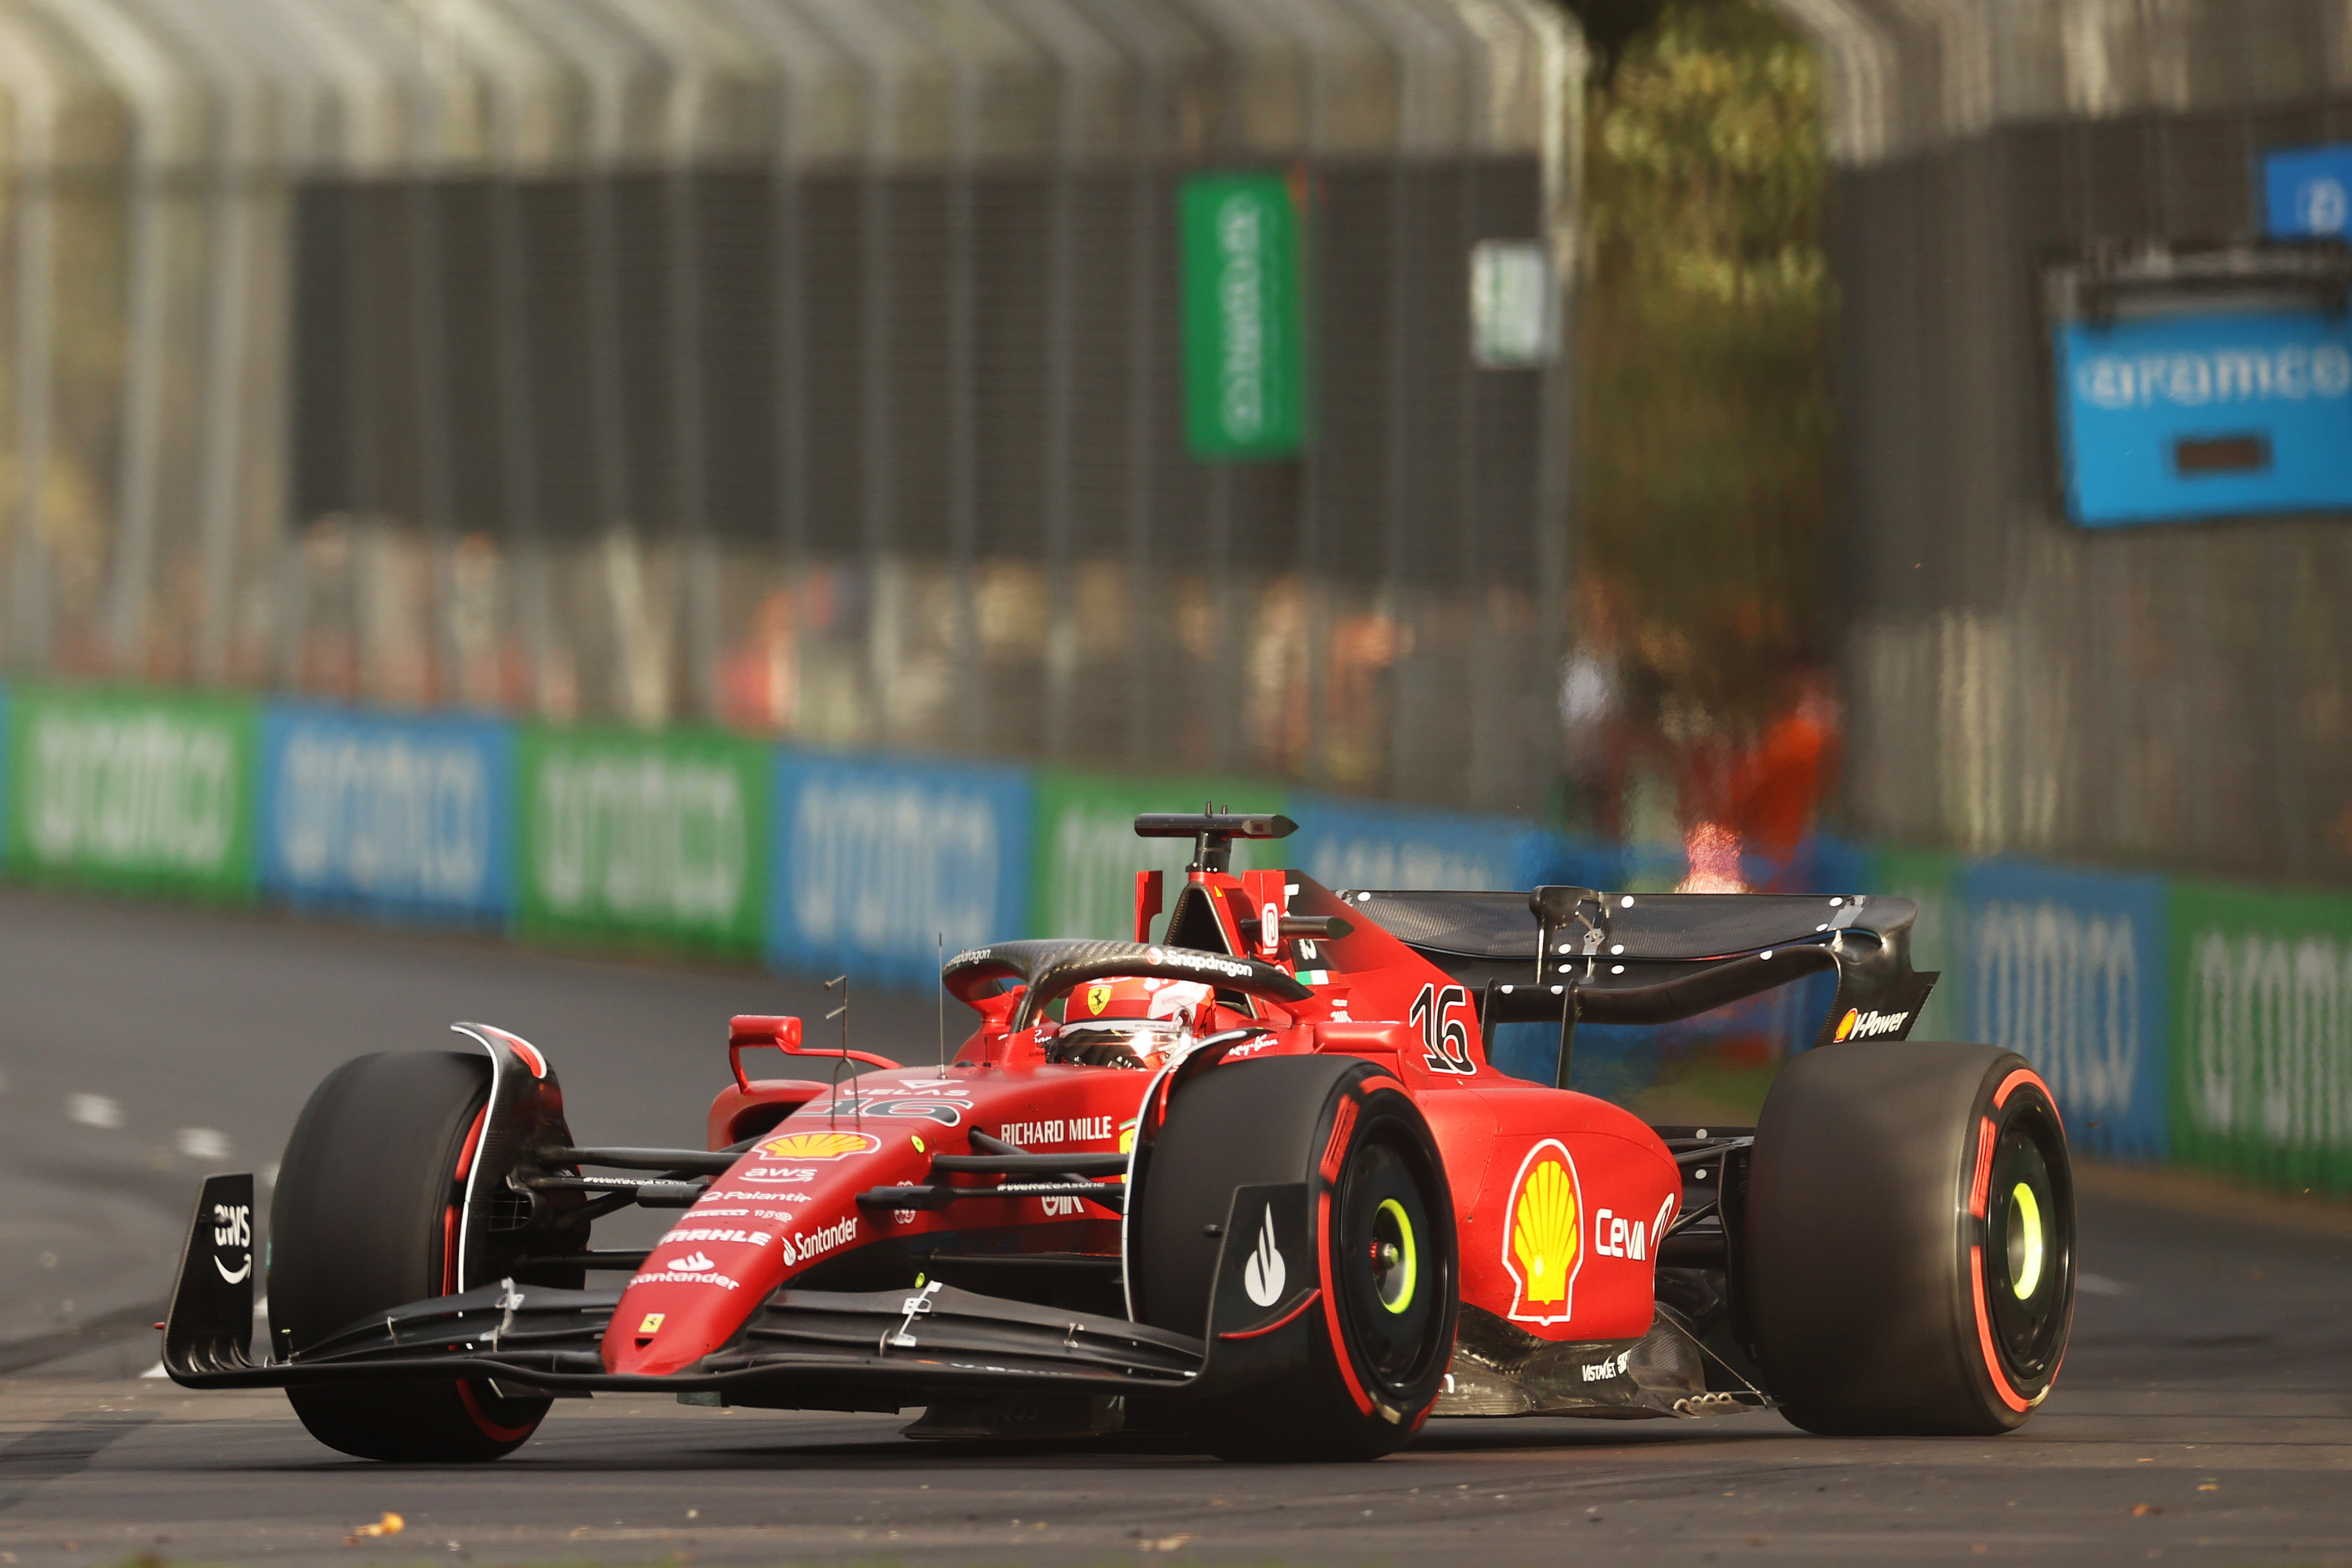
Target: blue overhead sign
[2307,192]
[2167,418]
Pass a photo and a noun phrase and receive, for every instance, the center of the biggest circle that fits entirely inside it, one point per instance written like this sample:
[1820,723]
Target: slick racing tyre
[1381,1331]
[365,1218]
[1909,1251]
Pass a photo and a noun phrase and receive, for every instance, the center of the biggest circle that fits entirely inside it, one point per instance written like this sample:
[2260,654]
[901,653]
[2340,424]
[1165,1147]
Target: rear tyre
[1909,1241]
[365,1216]
[1382,1333]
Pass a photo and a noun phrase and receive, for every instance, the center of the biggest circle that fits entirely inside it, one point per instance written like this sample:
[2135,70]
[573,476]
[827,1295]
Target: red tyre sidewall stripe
[490,1429]
[2027,1075]
[1986,1135]
[1292,1316]
[1980,1189]
[1340,1355]
[2001,1383]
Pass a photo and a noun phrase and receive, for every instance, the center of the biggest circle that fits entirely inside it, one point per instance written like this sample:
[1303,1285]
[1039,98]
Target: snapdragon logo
[641,837]
[135,791]
[383,814]
[2296,373]
[882,869]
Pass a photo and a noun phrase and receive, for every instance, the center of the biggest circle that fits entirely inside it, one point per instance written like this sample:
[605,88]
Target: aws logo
[1858,1025]
[1543,1250]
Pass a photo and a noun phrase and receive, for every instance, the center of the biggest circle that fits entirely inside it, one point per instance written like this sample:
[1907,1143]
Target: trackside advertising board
[2261,1057]
[401,813]
[132,789]
[1344,843]
[2066,968]
[1244,327]
[2216,414]
[876,859]
[1087,854]
[661,835]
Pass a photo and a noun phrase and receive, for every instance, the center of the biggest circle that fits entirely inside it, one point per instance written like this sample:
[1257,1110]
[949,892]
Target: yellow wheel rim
[1396,1289]
[2029,1225]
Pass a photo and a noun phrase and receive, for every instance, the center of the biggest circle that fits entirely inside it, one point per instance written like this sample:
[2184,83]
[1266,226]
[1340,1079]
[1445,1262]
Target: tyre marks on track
[60,1449]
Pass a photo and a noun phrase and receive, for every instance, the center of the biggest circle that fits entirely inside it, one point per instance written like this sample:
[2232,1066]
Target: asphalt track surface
[2205,1415]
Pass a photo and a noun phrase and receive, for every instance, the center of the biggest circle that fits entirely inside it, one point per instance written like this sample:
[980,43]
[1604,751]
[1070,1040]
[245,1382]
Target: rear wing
[1575,954]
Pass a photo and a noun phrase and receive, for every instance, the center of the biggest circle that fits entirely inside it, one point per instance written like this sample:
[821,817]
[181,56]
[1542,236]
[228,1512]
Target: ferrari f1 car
[1251,1182]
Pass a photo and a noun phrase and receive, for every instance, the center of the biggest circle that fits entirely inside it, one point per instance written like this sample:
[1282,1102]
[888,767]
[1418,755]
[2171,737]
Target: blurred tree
[1705,419]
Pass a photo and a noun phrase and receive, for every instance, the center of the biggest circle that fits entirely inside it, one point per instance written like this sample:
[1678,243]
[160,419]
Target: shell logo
[1846,1024]
[1542,1250]
[820,1145]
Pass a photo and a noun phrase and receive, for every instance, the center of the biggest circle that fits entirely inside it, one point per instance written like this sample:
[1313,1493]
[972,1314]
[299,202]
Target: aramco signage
[1244,340]
[2205,414]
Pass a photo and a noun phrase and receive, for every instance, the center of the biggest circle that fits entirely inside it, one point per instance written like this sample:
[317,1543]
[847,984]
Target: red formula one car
[1252,1182]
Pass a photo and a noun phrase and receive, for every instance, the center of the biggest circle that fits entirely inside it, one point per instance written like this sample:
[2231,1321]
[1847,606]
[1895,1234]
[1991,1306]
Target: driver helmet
[1131,1021]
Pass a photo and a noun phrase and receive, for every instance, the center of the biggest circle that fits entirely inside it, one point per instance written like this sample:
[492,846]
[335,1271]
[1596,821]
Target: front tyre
[366,1216]
[1383,1332]
[1909,1239]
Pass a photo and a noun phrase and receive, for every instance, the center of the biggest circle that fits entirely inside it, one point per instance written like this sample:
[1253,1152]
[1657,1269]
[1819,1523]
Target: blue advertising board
[876,860]
[2067,969]
[410,815]
[2216,414]
[2307,192]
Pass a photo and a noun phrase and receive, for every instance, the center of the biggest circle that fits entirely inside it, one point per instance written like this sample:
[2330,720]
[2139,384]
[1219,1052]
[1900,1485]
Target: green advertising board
[2262,1034]
[1244,331]
[660,835]
[132,789]
[1087,853]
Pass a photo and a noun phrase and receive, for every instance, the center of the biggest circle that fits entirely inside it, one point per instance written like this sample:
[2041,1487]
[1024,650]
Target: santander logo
[692,1263]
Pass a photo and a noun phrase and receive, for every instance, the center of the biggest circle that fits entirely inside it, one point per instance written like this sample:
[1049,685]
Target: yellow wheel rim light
[2029,1221]
[1409,1260]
